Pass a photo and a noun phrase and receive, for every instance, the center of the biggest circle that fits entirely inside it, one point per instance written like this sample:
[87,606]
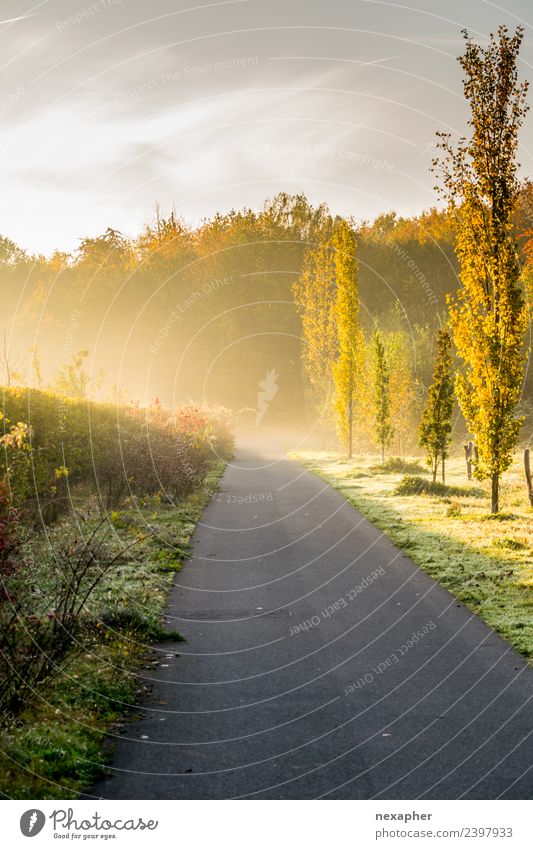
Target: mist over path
[320,661]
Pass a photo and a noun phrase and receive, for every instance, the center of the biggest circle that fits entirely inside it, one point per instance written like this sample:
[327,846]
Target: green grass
[485,561]
[56,747]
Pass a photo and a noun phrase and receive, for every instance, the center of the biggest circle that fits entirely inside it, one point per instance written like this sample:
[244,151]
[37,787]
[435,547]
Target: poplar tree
[488,316]
[314,295]
[346,368]
[383,426]
[435,427]
[402,387]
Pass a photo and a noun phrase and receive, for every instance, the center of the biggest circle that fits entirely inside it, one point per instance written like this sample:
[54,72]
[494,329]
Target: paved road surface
[350,706]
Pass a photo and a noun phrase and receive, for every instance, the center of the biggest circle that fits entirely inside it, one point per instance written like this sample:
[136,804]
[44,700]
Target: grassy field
[55,747]
[485,561]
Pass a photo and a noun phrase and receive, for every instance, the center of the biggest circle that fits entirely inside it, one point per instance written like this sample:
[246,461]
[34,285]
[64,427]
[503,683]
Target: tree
[314,295]
[488,315]
[12,375]
[402,386]
[72,380]
[383,427]
[345,370]
[35,368]
[435,427]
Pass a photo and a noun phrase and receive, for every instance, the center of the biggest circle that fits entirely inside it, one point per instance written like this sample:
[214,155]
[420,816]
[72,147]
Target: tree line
[346,312]
[486,317]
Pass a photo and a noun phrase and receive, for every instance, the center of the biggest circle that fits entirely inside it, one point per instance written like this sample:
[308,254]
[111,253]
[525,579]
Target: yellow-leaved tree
[314,295]
[346,369]
[488,316]
[402,387]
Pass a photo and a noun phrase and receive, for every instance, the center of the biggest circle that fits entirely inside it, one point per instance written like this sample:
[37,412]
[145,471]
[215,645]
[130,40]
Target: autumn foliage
[51,444]
[488,317]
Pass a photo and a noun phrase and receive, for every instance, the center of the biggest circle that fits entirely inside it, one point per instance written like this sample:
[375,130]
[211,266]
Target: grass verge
[55,747]
[485,561]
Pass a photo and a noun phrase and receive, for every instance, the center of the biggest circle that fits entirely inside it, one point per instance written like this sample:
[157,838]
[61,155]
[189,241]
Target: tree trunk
[382,453]
[434,467]
[468,456]
[350,437]
[495,506]
[443,472]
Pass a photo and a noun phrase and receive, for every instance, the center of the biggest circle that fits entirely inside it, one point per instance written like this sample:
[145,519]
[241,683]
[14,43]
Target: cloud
[108,106]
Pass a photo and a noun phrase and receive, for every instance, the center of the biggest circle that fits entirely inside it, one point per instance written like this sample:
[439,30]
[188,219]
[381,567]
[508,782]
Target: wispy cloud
[221,104]
[12,20]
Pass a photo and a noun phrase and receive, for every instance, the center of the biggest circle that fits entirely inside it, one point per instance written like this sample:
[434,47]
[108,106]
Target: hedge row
[50,444]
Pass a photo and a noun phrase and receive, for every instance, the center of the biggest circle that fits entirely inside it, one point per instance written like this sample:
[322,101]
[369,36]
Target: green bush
[396,464]
[415,485]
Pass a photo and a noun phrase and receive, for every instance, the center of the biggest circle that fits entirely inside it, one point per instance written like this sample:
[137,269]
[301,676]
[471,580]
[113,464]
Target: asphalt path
[320,662]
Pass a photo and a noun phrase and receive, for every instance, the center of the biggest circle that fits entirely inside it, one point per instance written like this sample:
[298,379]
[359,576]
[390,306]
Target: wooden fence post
[527,468]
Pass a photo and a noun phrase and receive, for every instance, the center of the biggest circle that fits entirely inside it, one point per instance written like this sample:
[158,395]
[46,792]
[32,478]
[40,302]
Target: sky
[110,108]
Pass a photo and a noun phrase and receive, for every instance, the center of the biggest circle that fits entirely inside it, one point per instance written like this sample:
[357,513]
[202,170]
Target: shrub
[43,617]
[453,510]
[10,569]
[414,485]
[8,533]
[52,443]
[396,464]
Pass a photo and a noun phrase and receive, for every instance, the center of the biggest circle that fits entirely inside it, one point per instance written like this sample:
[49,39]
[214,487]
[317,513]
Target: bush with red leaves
[8,536]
